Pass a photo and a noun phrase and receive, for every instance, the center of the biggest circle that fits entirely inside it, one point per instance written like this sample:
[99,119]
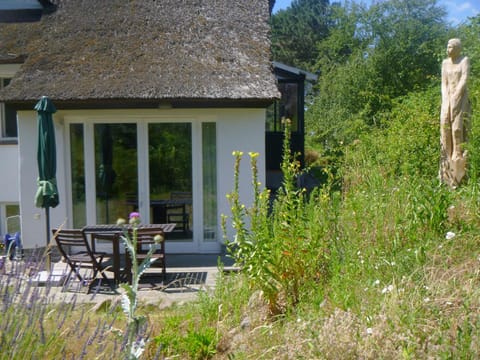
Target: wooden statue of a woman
[455,114]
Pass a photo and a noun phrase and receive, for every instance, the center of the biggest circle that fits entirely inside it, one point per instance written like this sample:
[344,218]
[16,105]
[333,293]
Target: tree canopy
[366,57]
[297,30]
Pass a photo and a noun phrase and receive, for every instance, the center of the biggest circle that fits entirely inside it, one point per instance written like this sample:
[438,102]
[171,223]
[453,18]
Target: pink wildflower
[134,218]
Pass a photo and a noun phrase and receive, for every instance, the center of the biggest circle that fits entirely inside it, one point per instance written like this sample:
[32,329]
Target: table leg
[116,261]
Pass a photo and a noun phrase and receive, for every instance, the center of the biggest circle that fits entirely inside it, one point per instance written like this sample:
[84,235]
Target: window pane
[272,117]
[209,160]
[78,175]
[9,116]
[170,169]
[289,103]
[115,171]
[10,122]
[12,212]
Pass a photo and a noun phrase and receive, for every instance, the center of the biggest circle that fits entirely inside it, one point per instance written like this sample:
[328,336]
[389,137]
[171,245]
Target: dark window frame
[8,118]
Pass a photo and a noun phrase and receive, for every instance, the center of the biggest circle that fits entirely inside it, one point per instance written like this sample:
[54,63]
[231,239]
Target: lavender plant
[36,324]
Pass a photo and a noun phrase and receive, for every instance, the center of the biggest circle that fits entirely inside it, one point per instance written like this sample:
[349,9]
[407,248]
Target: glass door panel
[77,165]
[170,176]
[116,175]
[209,167]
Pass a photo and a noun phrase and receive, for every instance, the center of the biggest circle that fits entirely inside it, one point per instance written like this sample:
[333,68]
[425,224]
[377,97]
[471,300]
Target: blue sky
[458,10]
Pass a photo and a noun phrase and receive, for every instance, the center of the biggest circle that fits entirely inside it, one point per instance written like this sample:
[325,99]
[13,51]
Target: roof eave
[147,104]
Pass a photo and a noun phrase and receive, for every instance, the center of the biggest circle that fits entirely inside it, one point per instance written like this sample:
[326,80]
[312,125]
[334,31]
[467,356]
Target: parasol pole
[47,220]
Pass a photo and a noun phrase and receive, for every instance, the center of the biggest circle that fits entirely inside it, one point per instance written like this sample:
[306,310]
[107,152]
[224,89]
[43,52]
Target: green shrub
[279,245]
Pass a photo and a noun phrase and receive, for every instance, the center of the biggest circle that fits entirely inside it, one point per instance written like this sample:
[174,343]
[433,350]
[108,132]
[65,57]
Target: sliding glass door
[116,175]
[170,176]
[165,170]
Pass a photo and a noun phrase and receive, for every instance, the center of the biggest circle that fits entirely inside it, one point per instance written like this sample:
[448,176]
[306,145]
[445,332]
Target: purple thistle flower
[134,218]
[134,215]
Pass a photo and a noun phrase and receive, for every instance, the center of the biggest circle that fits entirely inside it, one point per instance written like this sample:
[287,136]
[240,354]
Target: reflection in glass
[289,103]
[170,169]
[77,175]
[286,108]
[209,162]
[115,171]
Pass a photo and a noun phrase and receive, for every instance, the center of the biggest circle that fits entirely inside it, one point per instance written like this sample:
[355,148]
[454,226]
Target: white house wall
[237,129]
[245,132]
[33,218]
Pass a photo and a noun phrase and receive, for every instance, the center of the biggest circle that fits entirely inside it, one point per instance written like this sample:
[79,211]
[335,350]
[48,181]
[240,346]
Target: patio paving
[187,275]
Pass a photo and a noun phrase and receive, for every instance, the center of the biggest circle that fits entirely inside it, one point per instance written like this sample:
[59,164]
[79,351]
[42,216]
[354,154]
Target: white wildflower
[376,282]
[387,289]
[369,331]
[450,235]
[137,349]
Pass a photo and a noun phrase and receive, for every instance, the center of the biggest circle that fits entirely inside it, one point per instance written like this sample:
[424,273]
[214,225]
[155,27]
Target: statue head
[454,47]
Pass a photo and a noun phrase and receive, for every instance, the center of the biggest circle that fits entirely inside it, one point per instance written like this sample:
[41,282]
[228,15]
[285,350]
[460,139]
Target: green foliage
[343,38]
[198,343]
[193,330]
[297,30]
[468,33]
[406,143]
[407,37]
[372,56]
[278,248]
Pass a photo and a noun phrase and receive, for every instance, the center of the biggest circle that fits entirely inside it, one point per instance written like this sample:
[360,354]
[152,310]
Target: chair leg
[76,270]
[67,280]
[103,275]
[164,271]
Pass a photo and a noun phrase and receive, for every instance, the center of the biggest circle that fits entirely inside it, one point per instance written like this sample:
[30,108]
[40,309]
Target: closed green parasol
[47,193]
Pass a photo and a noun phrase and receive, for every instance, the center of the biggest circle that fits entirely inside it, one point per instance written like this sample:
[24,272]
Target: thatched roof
[144,51]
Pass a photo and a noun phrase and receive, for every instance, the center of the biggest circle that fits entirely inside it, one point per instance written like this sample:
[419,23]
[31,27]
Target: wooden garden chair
[75,249]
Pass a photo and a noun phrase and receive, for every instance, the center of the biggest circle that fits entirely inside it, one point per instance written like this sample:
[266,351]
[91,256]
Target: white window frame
[3,216]
[89,120]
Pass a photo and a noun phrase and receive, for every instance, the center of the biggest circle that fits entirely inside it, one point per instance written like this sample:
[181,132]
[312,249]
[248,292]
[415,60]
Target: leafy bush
[278,243]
